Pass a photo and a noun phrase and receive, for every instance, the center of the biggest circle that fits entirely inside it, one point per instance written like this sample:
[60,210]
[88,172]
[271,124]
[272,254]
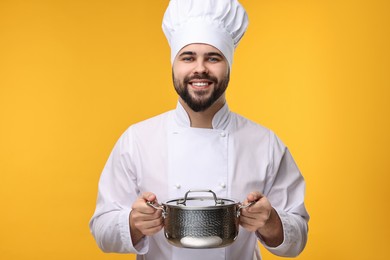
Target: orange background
[75,74]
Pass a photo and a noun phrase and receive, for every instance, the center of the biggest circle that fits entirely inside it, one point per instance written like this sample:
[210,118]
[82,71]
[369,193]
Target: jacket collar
[220,120]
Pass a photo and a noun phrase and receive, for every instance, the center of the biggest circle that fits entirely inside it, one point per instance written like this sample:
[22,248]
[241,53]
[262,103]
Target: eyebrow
[206,54]
[187,53]
[214,54]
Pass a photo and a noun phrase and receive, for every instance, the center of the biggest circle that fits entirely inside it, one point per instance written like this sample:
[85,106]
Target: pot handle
[217,201]
[157,207]
[238,213]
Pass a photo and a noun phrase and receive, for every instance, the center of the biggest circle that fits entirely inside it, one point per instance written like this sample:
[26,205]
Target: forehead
[200,49]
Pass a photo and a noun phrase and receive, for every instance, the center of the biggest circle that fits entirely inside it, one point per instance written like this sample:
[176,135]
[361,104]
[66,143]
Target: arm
[285,191]
[118,190]
[279,218]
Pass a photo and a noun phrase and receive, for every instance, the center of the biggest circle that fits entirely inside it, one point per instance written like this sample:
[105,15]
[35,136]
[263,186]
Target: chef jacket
[166,156]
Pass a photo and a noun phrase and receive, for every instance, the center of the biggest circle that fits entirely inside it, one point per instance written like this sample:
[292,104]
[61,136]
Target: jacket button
[177,186]
[223,134]
[223,185]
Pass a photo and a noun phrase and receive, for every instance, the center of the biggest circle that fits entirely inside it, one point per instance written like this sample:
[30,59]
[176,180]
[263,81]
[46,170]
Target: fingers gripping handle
[157,207]
[243,207]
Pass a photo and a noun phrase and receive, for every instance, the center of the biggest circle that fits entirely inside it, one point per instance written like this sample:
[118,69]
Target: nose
[200,67]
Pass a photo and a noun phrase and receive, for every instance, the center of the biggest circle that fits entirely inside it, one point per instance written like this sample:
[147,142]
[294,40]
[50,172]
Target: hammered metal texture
[181,222]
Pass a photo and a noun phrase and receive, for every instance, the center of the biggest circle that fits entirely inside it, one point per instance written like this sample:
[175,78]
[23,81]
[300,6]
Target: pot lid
[200,201]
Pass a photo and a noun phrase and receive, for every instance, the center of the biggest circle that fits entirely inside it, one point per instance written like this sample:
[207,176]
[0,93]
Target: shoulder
[243,124]
[149,127]
[152,122]
[255,132]
[144,133]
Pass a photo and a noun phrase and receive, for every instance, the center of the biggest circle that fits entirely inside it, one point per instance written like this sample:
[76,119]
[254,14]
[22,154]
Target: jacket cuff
[142,247]
[290,235]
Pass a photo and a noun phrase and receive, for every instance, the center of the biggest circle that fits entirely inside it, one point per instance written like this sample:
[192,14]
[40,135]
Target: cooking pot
[200,221]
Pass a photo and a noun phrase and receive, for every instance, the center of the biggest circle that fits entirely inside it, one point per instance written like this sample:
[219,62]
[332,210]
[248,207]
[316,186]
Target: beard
[200,100]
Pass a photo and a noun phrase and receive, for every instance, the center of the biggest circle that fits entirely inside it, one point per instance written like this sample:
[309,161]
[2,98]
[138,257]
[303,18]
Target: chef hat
[220,23]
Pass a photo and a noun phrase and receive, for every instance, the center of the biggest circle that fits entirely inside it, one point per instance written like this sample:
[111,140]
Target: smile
[200,84]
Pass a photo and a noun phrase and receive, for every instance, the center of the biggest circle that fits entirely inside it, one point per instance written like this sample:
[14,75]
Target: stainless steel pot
[201,221]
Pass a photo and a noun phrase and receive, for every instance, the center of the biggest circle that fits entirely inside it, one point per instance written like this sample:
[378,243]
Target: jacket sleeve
[285,189]
[117,191]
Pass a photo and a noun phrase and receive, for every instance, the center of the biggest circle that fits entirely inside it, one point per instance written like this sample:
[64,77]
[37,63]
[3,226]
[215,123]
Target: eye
[213,59]
[187,58]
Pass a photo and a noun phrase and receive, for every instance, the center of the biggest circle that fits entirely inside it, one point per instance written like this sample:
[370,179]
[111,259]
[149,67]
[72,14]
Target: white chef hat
[220,23]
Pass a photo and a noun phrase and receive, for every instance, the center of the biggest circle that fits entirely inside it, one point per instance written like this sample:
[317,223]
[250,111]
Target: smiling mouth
[200,84]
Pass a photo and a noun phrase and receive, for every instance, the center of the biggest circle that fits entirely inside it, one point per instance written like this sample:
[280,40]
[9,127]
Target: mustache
[202,76]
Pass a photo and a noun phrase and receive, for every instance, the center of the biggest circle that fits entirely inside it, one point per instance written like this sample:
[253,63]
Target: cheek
[179,73]
[222,71]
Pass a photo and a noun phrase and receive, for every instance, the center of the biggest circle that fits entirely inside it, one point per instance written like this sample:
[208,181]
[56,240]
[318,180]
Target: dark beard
[198,103]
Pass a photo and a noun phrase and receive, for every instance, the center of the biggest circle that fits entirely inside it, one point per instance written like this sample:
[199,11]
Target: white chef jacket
[166,156]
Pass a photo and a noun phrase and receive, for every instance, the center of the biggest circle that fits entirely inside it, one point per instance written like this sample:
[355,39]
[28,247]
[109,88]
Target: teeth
[200,84]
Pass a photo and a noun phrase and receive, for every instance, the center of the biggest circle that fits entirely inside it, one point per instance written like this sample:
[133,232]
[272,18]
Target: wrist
[272,232]
[135,234]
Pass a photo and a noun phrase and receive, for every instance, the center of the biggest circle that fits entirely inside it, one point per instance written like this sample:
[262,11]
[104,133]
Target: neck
[203,119]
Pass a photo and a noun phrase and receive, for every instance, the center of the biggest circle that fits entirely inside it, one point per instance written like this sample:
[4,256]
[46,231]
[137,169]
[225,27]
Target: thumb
[254,196]
[149,196]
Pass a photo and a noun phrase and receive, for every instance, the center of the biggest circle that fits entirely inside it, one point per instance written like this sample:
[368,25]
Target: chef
[201,145]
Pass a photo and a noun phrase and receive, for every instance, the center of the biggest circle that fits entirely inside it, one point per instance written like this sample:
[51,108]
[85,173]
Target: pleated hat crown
[220,23]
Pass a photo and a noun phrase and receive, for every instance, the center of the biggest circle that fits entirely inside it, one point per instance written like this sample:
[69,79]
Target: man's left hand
[263,218]
[256,216]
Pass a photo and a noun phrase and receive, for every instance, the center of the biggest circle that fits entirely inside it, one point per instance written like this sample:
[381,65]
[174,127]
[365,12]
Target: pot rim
[222,203]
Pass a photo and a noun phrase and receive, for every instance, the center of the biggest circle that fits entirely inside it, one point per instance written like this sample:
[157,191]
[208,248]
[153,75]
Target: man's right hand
[144,220]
